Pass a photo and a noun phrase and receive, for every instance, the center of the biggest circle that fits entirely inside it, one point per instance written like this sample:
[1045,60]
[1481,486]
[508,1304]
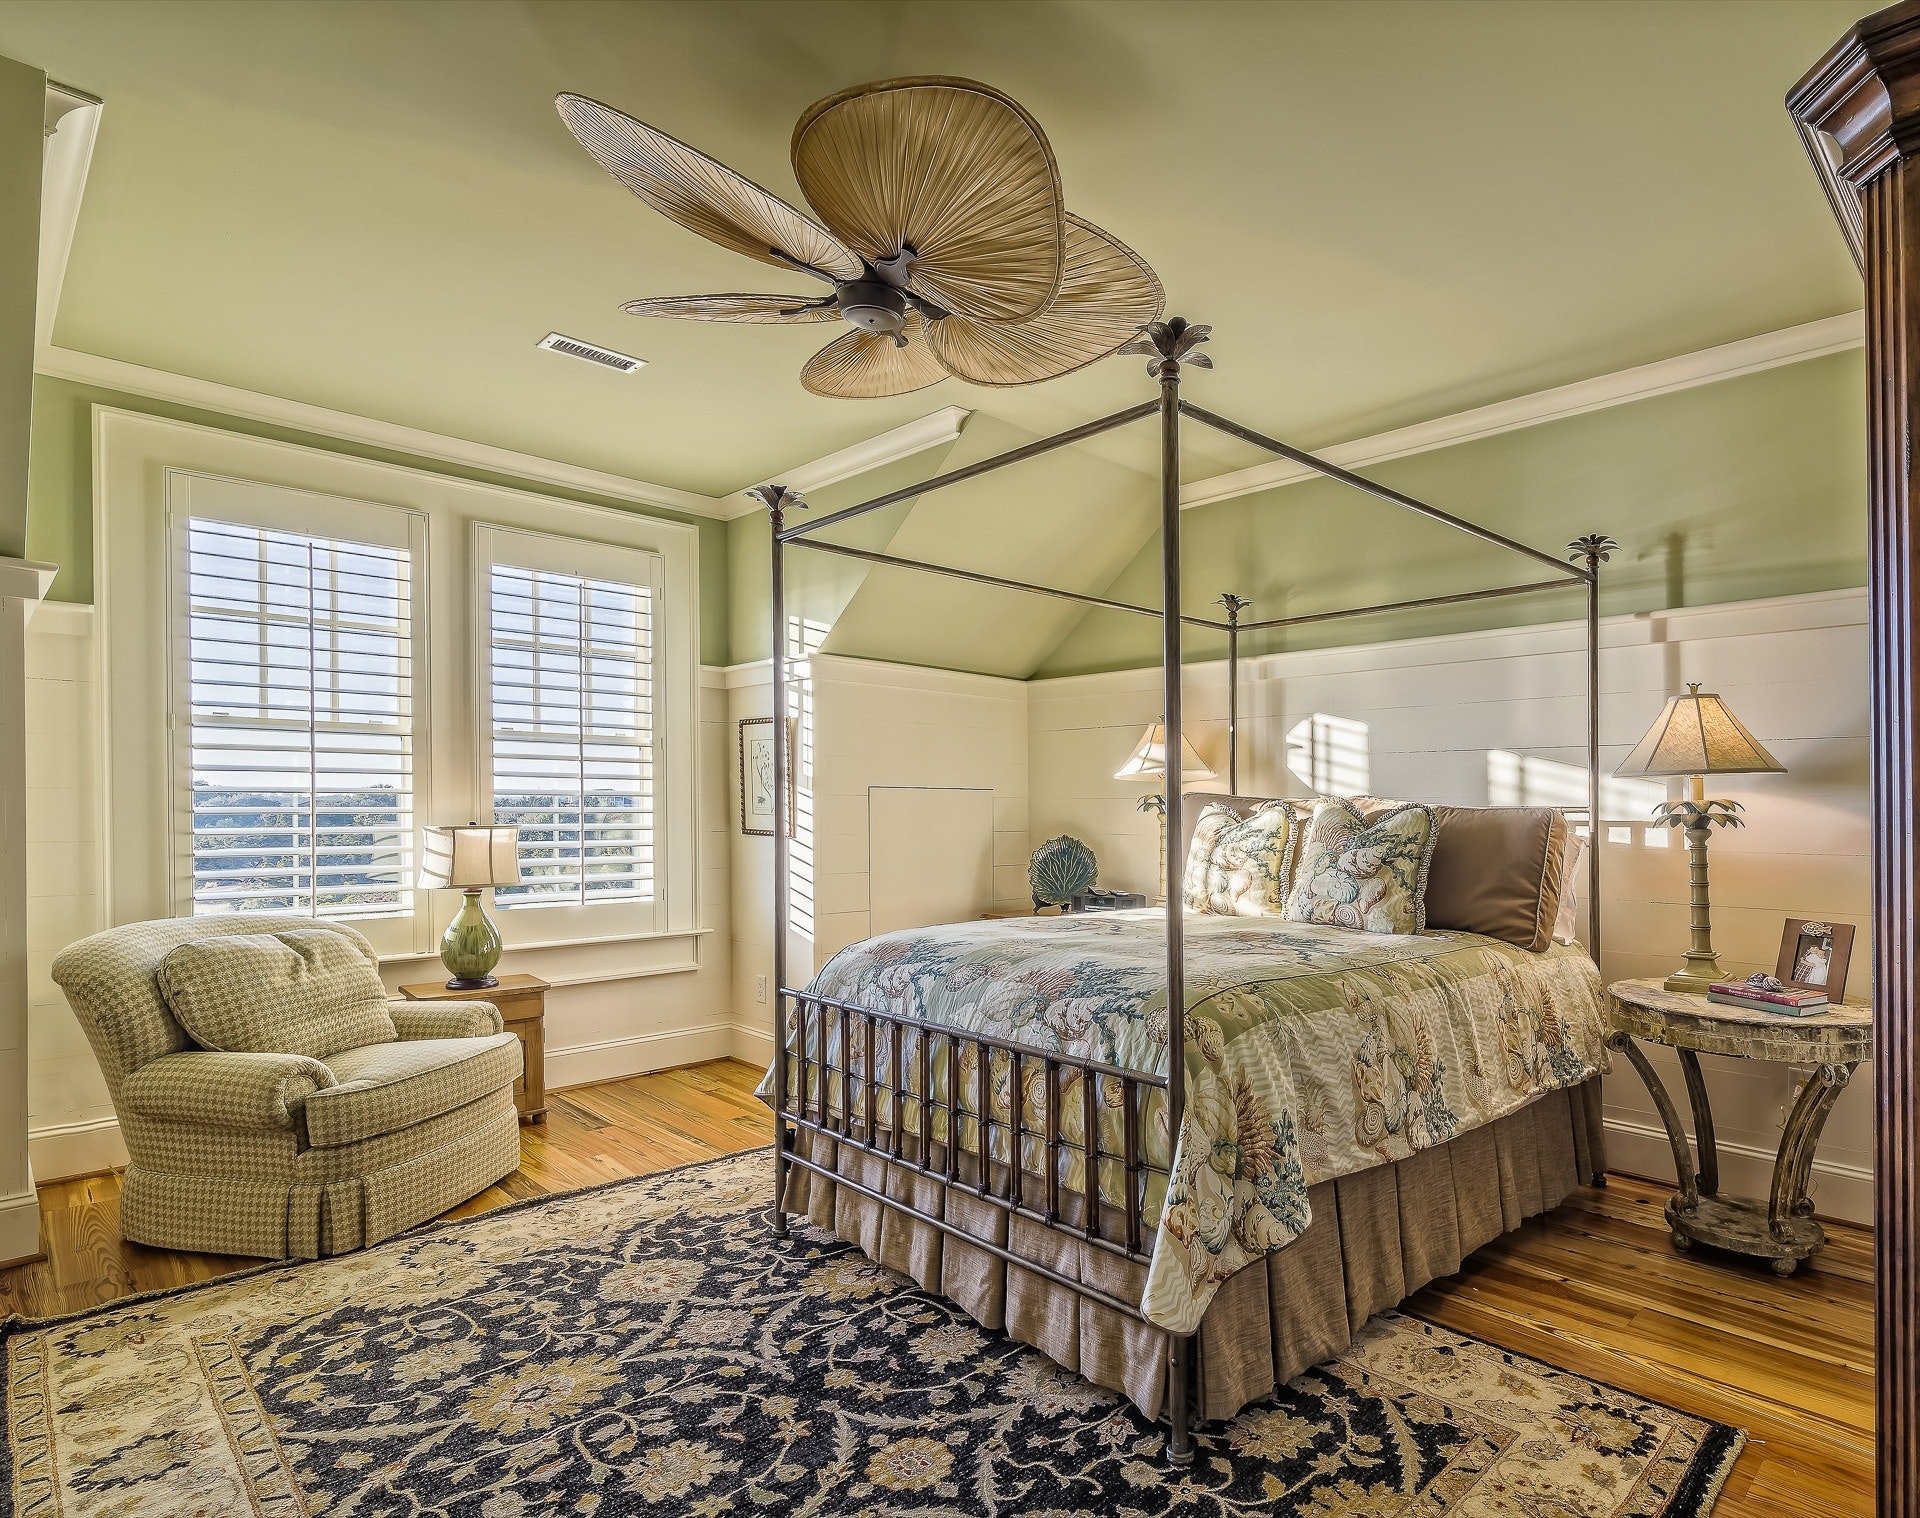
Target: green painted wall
[819,587]
[1750,487]
[60,510]
[1746,488]
[23,104]
[1069,518]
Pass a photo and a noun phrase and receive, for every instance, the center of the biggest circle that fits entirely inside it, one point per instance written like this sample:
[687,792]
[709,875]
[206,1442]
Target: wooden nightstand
[1780,1229]
[522,1000]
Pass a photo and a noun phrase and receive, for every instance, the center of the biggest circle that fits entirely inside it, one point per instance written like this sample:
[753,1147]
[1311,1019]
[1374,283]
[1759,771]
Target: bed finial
[776,498]
[1595,548]
[1169,344]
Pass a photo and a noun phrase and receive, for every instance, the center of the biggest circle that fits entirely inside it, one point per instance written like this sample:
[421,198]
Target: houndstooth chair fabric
[306,991]
[280,1154]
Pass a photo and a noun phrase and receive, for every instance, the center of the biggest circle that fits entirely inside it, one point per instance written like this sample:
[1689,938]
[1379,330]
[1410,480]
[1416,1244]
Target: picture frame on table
[756,777]
[1814,955]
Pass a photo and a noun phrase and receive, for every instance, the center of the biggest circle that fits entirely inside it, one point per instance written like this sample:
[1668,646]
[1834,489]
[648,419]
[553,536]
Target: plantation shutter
[570,705]
[295,689]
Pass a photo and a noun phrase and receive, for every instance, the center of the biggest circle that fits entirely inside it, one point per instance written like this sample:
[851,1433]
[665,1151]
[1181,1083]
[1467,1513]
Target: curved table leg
[1787,1199]
[1709,1177]
[1689,1197]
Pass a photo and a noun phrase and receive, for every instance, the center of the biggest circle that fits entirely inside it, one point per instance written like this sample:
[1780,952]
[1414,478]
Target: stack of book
[1788,1001]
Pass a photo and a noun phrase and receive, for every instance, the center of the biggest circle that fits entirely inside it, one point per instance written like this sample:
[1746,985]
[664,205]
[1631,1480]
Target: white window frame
[276,508]
[133,455]
[520,549]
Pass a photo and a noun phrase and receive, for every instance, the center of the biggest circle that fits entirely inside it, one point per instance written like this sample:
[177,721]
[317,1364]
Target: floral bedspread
[1312,1052]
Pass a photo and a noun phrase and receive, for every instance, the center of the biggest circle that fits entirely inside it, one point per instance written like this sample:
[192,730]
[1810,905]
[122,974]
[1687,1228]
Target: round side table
[1781,1228]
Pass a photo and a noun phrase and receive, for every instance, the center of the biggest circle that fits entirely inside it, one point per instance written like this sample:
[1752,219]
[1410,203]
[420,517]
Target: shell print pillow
[1239,866]
[1366,875]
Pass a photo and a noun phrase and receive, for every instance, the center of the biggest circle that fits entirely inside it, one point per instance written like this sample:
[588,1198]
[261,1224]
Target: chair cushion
[386,1087]
[298,991]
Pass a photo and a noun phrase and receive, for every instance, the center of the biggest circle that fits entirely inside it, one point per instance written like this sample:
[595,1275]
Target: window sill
[552,955]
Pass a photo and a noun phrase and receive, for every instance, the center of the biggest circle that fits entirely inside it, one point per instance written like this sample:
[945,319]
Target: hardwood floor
[1594,1288]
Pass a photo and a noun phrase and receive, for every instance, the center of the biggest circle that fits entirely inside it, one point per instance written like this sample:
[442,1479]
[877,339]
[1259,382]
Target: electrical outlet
[759,988]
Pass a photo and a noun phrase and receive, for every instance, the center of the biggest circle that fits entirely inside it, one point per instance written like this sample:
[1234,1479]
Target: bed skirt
[1377,1237]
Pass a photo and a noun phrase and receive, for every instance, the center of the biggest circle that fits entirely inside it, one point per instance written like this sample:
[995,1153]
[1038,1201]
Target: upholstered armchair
[261,1145]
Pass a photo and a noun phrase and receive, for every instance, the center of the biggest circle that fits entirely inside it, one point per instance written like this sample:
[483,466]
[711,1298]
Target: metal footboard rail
[897,1058]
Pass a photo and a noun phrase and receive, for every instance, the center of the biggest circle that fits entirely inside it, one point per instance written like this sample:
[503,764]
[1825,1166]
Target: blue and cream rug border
[641,1347]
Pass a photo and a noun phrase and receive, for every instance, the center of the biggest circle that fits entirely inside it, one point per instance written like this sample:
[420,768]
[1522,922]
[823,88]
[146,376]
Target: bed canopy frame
[894,1049]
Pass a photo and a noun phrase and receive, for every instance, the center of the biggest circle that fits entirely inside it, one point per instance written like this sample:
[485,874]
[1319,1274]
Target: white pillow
[1572,877]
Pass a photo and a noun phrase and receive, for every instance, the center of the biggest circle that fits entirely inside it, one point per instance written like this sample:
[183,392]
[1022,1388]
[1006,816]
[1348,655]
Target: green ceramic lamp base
[470,948]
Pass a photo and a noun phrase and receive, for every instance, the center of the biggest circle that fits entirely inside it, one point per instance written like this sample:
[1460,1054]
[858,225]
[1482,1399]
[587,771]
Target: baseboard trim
[612,1058]
[61,1151]
[20,1228]
[1841,1192]
[753,1046]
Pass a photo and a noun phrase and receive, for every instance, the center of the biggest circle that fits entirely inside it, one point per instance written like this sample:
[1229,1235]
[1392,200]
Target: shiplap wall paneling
[1498,717]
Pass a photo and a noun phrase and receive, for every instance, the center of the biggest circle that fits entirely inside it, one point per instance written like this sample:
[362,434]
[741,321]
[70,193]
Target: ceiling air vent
[592,353]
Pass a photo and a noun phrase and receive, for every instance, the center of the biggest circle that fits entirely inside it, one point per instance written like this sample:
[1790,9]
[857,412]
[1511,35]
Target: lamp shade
[469,858]
[1696,735]
[1149,758]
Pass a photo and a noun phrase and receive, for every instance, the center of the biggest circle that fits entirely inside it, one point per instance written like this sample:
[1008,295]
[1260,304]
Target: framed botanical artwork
[756,777]
[1813,956]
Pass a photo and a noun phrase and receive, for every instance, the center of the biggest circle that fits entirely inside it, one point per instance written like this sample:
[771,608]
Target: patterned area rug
[646,1348]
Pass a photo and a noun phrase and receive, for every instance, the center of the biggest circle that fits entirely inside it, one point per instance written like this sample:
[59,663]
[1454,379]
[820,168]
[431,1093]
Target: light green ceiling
[1388,211]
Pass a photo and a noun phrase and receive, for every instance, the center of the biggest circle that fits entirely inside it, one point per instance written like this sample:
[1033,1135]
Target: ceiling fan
[950,251]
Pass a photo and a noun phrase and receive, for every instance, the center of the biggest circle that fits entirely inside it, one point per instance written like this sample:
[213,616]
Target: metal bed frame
[951,1140]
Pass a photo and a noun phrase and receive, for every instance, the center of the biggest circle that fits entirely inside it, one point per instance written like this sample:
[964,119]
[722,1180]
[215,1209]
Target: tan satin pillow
[1497,870]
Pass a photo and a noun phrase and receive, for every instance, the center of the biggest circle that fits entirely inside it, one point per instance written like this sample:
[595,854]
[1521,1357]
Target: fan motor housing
[873,305]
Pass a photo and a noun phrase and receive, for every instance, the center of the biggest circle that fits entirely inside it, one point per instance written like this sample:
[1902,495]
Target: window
[294,712]
[305,670]
[569,700]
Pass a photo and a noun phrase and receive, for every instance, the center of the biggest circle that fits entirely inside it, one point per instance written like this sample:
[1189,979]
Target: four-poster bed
[1078,1175]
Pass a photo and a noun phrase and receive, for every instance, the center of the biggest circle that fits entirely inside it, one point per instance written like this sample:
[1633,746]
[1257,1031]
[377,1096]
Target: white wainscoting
[1499,716]
[614,1010]
[71,1128]
[868,726]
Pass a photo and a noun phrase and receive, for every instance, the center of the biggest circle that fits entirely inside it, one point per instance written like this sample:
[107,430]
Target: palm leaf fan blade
[702,194]
[757,309]
[1107,295]
[868,365]
[951,170]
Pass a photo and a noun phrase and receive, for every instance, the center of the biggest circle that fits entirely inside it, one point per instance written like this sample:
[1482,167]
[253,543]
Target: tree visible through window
[300,722]
[571,693]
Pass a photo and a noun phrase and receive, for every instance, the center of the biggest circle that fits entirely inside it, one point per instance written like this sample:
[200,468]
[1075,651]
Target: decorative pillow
[302,991]
[1370,875]
[1239,866]
[1565,924]
[1198,803]
[1497,870]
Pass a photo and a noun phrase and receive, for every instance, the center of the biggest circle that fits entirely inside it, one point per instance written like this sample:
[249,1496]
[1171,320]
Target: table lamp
[470,859]
[1148,761]
[1696,736]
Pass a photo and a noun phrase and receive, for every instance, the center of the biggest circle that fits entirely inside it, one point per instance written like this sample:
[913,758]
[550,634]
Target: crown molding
[1749,355]
[230,400]
[930,431]
[72,123]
